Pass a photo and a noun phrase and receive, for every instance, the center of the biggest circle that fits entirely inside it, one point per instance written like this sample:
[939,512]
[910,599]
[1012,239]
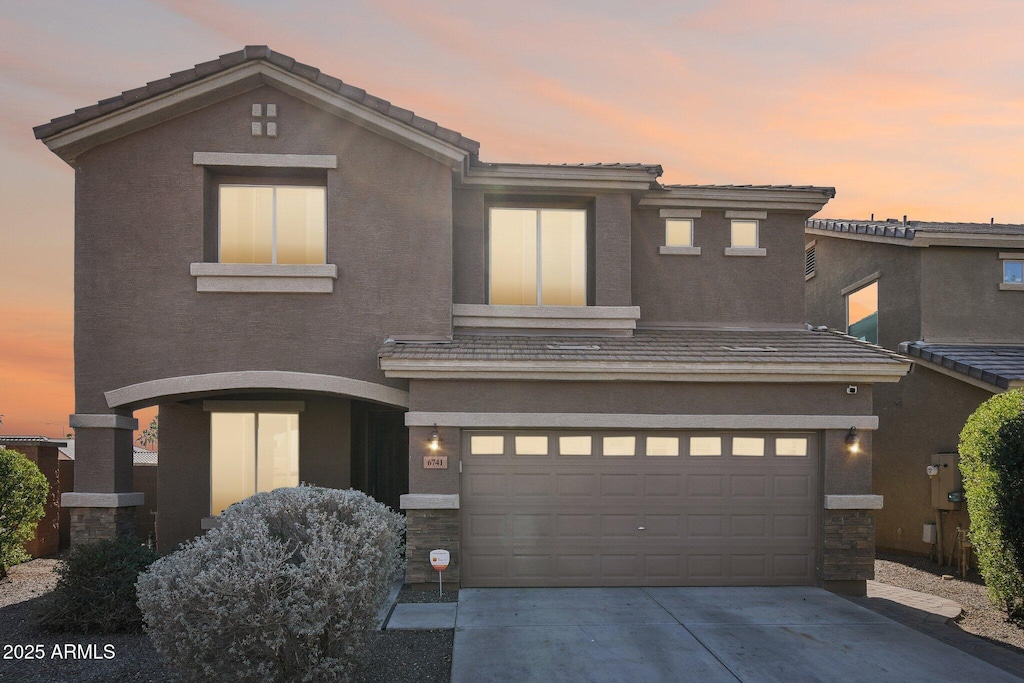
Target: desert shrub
[95,591]
[286,589]
[23,490]
[992,464]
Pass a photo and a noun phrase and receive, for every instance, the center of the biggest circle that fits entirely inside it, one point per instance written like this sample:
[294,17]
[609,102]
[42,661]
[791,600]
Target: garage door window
[619,445]
[790,447]
[705,445]
[662,445]
[743,445]
[575,445]
[487,445]
[531,445]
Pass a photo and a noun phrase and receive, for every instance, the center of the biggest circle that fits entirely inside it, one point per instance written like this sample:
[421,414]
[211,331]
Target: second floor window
[1013,272]
[862,313]
[744,234]
[281,224]
[538,257]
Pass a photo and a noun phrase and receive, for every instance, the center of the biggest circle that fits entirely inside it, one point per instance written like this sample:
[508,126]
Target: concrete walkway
[699,634]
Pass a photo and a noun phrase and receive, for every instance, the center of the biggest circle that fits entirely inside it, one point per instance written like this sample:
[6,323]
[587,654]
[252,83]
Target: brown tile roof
[655,346]
[900,230]
[994,364]
[252,53]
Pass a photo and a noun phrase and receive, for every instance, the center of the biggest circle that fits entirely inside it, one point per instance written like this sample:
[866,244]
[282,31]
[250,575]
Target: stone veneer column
[428,529]
[103,503]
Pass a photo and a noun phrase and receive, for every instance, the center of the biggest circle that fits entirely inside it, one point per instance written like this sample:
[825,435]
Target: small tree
[23,490]
[992,464]
[149,435]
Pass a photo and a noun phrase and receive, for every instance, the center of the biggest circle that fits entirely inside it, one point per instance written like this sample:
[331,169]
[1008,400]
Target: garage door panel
[705,485]
[576,484]
[576,520]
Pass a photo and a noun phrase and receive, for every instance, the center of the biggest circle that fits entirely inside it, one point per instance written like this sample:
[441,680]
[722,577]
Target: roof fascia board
[928,239]
[558,179]
[243,78]
[737,198]
[662,372]
[636,421]
[957,375]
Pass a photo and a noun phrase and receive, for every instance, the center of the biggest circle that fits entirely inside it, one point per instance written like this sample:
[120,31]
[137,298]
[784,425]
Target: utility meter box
[947,486]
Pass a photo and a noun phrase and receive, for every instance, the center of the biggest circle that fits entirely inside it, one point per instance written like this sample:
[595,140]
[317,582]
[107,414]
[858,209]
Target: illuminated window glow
[251,452]
[272,224]
[538,257]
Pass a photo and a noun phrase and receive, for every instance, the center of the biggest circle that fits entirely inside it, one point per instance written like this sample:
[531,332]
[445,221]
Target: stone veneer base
[94,524]
[849,546]
[428,530]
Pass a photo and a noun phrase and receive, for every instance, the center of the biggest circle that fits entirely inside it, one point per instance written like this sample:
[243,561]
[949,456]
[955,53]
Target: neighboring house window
[744,234]
[810,261]
[862,313]
[1013,272]
[279,224]
[538,257]
[251,452]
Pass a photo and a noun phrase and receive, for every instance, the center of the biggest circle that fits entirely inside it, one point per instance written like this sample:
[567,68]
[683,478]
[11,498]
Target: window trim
[756,250]
[1010,257]
[678,249]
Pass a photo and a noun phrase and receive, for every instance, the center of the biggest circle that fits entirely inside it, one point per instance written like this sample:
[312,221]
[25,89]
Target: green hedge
[23,490]
[992,464]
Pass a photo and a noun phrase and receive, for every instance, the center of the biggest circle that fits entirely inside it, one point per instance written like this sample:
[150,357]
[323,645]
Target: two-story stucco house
[567,375]
[950,296]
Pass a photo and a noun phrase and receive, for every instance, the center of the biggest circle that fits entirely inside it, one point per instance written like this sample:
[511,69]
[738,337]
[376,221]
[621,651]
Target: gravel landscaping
[980,617]
[395,656]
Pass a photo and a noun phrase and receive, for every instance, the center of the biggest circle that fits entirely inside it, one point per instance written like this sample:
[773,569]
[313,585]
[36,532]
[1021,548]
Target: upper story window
[1013,272]
[679,232]
[538,257]
[274,224]
[862,313]
[744,234]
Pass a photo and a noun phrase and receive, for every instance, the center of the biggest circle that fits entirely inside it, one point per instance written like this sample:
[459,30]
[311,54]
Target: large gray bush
[287,589]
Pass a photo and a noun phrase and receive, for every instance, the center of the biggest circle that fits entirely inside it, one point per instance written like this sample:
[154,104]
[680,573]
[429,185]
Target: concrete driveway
[693,634]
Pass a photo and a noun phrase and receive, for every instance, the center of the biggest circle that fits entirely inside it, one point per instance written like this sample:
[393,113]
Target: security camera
[852,389]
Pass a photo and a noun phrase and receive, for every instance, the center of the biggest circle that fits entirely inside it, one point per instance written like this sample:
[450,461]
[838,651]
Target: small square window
[1013,272]
[705,445]
[487,445]
[531,445]
[575,445]
[679,232]
[619,445]
[744,234]
[745,445]
[662,445]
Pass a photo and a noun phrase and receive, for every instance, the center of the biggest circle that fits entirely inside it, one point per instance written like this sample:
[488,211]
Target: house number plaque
[435,462]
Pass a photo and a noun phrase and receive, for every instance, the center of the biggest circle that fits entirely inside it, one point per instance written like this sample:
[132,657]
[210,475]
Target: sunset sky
[905,107]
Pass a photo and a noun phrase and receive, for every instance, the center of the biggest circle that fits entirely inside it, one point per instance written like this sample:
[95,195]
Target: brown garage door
[640,508]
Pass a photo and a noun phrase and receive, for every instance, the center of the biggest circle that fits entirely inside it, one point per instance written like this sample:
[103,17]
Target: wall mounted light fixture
[435,440]
[853,440]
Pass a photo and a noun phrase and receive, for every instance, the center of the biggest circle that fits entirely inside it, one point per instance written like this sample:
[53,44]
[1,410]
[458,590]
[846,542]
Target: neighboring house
[44,453]
[565,374]
[144,477]
[950,296]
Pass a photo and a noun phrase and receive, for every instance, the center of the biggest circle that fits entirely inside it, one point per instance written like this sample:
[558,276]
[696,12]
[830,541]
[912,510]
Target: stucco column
[848,524]
[103,503]
[432,505]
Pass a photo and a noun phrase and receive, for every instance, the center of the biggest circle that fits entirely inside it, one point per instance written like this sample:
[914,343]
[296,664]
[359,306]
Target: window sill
[744,251]
[264,277]
[679,251]
[545,320]
[1011,286]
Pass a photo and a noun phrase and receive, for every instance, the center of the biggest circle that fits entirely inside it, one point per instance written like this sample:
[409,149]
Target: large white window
[538,257]
[281,224]
[251,452]
[744,234]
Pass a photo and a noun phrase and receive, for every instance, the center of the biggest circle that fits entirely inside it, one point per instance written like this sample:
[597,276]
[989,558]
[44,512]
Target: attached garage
[639,508]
